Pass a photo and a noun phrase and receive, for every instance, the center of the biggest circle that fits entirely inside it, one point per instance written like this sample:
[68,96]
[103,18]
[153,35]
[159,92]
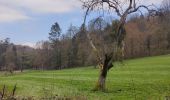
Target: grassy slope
[140,79]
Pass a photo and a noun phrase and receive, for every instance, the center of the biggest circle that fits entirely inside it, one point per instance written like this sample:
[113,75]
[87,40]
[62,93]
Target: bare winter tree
[123,8]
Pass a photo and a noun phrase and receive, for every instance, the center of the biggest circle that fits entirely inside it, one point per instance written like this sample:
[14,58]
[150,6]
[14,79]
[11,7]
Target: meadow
[136,79]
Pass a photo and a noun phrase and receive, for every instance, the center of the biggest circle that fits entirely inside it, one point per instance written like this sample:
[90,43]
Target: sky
[29,21]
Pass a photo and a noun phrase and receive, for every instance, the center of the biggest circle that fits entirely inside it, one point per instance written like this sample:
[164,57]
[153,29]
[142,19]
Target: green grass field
[139,79]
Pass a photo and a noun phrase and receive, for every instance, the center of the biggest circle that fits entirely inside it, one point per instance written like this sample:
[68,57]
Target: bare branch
[113,4]
[99,58]
[141,6]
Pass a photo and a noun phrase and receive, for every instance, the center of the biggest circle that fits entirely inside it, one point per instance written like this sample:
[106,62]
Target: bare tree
[122,8]
[148,44]
[11,58]
[166,20]
[22,59]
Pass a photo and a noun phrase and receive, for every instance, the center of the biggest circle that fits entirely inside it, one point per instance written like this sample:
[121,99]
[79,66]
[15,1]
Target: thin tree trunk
[3,93]
[21,68]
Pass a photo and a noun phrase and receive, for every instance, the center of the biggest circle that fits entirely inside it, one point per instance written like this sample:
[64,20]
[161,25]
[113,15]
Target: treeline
[15,57]
[149,37]
[145,37]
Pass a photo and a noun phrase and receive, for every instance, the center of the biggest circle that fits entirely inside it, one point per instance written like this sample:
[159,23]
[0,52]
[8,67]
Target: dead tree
[2,93]
[122,11]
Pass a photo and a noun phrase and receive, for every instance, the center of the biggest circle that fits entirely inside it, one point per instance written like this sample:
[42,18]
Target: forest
[145,37]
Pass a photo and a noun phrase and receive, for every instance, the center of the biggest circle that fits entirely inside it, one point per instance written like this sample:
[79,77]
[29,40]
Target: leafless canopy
[122,7]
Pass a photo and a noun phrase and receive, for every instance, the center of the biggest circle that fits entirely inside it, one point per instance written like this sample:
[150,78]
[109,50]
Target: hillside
[141,79]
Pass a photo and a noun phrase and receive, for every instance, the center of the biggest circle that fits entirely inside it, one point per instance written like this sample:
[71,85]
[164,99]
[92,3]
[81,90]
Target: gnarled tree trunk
[104,68]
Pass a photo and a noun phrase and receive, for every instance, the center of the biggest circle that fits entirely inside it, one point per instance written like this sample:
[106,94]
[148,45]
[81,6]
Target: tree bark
[101,82]
[21,68]
[103,73]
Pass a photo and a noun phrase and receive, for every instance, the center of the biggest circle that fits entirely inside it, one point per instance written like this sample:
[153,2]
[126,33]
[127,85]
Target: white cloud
[43,6]
[8,14]
[13,10]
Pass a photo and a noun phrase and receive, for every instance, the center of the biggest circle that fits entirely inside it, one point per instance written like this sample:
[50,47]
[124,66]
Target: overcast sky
[29,21]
